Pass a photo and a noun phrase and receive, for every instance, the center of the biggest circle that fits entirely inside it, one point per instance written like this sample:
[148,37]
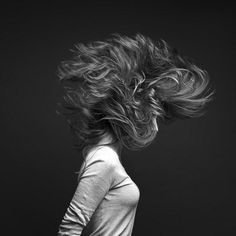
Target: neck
[106,139]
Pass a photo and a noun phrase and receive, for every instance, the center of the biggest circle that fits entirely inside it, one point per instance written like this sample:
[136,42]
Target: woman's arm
[93,185]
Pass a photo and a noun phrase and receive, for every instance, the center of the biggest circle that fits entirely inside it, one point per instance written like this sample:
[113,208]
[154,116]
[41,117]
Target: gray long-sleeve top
[105,200]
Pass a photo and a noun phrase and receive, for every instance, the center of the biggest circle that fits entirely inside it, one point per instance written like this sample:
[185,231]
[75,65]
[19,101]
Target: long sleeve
[93,185]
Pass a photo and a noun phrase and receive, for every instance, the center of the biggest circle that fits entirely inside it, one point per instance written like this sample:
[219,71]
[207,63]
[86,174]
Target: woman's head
[123,85]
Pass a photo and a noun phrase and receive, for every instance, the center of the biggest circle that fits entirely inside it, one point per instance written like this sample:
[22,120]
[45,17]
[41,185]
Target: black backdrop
[186,177]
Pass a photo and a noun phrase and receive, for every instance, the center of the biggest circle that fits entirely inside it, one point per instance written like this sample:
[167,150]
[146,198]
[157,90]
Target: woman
[119,89]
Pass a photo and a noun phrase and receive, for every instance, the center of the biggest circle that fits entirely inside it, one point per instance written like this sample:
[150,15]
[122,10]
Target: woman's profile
[117,92]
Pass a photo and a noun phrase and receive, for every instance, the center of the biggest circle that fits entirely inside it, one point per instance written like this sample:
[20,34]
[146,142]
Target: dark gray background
[186,177]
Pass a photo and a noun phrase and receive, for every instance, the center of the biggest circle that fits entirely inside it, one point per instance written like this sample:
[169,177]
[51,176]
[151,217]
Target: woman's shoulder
[105,154]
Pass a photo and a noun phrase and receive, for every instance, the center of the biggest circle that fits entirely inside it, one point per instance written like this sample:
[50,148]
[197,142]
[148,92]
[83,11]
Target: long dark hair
[121,84]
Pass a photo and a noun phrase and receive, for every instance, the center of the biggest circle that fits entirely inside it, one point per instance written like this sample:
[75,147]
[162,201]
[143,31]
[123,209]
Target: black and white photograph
[118,118]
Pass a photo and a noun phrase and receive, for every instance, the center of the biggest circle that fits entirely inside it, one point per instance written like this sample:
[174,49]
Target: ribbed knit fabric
[105,200]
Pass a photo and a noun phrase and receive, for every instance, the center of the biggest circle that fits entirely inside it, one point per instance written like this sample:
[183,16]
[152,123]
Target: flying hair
[122,83]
